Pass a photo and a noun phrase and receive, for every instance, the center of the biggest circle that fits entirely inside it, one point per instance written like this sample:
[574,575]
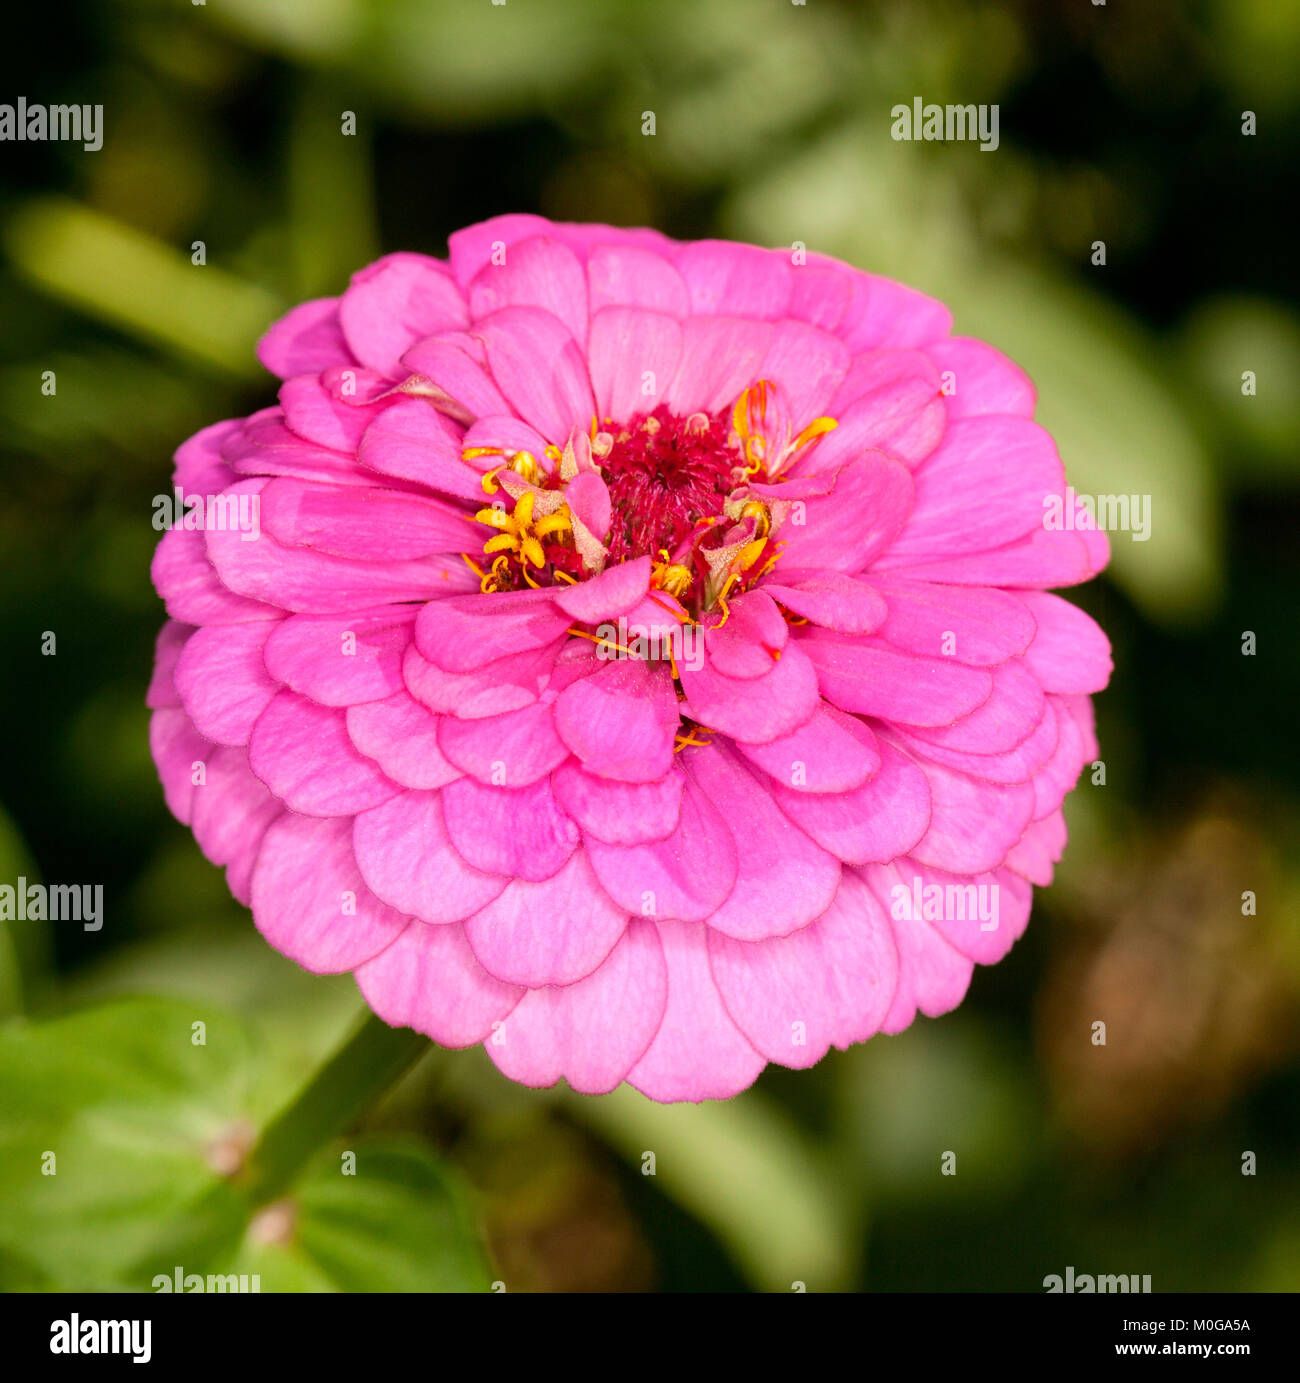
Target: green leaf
[109,1116]
[117,1148]
[398,1223]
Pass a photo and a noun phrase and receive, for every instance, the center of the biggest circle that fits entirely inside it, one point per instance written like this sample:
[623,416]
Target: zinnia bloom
[643,663]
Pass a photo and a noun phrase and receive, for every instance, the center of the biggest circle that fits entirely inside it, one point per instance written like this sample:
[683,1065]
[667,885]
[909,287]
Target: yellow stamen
[756,510]
[817,428]
[671,578]
[605,643]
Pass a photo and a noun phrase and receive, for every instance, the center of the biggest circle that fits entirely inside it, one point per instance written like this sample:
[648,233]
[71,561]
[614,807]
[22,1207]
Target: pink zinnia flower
[644,663]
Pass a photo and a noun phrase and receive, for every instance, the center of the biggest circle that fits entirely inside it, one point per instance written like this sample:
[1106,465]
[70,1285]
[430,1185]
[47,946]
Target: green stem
[360,1071]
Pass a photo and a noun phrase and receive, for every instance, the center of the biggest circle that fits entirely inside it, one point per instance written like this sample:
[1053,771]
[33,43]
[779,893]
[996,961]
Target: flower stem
[360,1071]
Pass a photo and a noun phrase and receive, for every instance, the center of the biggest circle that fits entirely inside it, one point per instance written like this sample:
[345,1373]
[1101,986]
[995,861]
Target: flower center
[675,487]
[665,474]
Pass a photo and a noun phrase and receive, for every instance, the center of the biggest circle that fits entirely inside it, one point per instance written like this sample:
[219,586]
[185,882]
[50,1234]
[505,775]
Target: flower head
[643,664]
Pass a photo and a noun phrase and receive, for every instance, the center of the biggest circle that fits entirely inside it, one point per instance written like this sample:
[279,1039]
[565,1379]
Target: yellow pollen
[519,535]
[756,510]
[817,428]
[670,577]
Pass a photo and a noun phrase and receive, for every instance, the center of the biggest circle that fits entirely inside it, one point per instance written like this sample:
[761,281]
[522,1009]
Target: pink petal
[311,411]
[974,626]
[983,487]
[886,313]
[373,525]
[171,640]
[983,380]
[519,832]
[464,632]
[540,368]
[890,401]
[847,528]
[200,466]
[302,752]
[593,1032]
[870,677]
[412,440]
[831,599]
[750,640]
[223,681]
[552,932]
[509,750]
[933,976]
[621,721]
[429,980]
[1012,712]
[264,446]
[972,823]
[720,357]
[1061,771]
[1041,846]
[190,587]
[616,591]
[504,684]
[633,356]
[758,709]
[538,272]
[619,813]
[408,860]
[624,276]
[474,246]
[1042,558]
[306,340]
[689,874]
[300,579]
[742,280]
[340,660]
[1019,764]
[807,365]
[820,293]
[454,363]
[828,984]
[783,880]
[402,737]
[177,747]
[231,814]
[395,302]
[822,756]
[698,1052]
[1070,653]
[309,901]
[968,935]
[879,821]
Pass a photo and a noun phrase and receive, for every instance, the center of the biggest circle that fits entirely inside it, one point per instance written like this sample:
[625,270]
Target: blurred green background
[1119,123]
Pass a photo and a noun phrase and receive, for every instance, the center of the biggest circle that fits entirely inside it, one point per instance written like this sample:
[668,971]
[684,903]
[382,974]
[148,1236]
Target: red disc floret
[665,474]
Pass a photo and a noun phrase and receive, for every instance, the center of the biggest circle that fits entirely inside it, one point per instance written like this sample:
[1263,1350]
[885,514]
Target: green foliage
[120,1152]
